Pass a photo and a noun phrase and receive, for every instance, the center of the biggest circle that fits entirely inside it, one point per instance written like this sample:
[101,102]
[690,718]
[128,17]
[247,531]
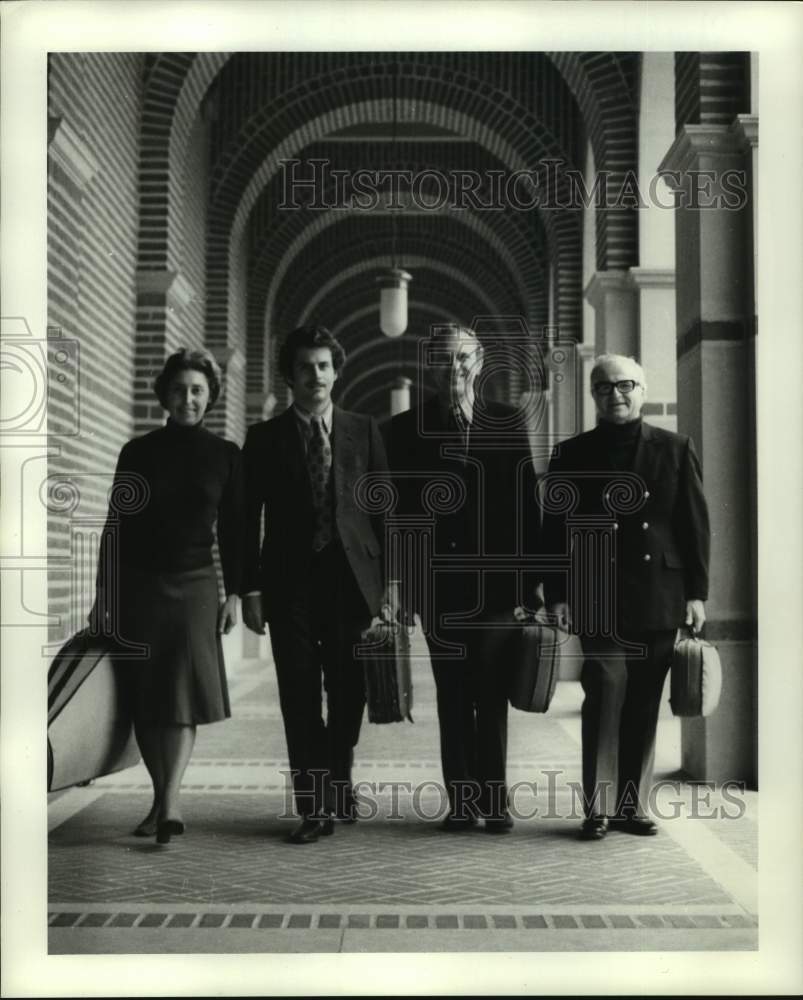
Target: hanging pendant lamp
[393,301]
[393,281]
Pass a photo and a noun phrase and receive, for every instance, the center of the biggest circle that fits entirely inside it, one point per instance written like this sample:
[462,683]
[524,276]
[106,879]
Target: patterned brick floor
[232,869]
[234,852]
[740,834]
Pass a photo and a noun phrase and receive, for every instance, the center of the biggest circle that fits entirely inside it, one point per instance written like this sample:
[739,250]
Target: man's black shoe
[594,828]
[311,828]
[638,825]
[499,824]
[459,824]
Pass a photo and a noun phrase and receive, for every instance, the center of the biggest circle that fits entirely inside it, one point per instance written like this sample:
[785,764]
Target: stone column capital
[604,283]
[71,152]
[614,300]
[695,143]
[230,359]
[745,128]
[171,285]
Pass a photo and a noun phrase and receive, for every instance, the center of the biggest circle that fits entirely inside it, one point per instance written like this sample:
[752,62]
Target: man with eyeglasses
[461,462]
[654,537]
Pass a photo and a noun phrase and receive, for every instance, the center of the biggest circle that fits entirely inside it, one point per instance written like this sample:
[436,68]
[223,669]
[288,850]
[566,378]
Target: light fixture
[400,395]
[393,301]
[393,281]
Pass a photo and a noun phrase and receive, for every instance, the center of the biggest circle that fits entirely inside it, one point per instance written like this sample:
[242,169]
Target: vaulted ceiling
[432,114]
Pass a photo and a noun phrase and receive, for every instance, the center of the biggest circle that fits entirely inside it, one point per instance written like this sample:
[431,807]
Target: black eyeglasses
[627,385]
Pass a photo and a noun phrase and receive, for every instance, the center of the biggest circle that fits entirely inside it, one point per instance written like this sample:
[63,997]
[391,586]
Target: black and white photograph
[401,531]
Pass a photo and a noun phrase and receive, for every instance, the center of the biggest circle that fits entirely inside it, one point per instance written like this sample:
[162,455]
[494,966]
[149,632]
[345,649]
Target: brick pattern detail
[290,101]
[174,86]
[502,252]
[234,870]
[711,88]
[605,87]
[278,103]
[169,172]
[172,236]
[91,258]
[191,231]
[399,921]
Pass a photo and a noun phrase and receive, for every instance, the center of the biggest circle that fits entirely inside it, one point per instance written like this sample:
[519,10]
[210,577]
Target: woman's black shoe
[168,828]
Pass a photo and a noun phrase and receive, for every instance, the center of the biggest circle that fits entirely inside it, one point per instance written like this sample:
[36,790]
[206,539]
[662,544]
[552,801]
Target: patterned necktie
[462,426]
[319,463]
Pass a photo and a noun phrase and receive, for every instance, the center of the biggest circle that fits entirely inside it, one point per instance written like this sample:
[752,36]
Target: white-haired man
[658,582]
[480,446]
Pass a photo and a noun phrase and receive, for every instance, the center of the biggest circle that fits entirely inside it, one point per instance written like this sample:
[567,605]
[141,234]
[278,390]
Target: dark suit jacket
[499,515]
[662,548]
[277,483]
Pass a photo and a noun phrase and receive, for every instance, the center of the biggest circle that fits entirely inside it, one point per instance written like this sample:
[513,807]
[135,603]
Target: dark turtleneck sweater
[619,442]
[194,482]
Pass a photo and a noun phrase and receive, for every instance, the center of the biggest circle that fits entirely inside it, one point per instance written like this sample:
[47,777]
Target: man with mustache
[317,576]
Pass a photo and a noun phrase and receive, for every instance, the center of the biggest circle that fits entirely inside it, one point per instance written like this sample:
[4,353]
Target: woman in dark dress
[168,597]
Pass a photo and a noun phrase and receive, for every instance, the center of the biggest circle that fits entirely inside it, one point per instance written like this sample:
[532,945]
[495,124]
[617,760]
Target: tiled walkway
[393,882]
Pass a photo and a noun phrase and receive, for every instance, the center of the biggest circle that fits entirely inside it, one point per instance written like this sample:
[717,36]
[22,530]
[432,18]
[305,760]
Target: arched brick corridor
[204,249]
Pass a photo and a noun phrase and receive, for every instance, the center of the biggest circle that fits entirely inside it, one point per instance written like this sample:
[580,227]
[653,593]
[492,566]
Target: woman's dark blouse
[193,480]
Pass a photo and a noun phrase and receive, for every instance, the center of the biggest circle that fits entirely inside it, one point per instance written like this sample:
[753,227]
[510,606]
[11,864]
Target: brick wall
[94,111]
[235,386]
[187,329]
[173,288]
[173,185]
[711,88]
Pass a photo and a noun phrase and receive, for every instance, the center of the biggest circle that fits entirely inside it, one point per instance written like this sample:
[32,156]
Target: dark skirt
[182,680]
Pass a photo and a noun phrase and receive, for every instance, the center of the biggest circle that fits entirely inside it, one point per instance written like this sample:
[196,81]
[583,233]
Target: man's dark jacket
[498,514]
[277,483]
[661,545]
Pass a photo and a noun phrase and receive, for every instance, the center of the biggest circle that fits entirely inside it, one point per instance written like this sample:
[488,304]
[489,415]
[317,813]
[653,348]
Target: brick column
[715,333]
[228,415]
[162,295]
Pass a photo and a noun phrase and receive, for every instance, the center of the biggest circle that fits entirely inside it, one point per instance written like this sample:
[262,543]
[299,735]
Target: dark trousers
[313,639]
[620,720]
[472,716]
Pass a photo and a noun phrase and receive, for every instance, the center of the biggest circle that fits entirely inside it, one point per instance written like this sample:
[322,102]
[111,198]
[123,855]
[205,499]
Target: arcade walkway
[232,885]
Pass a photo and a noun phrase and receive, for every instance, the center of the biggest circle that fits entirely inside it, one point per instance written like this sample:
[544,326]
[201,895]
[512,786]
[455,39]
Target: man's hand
[227,615]
[695,615]
[389,609]
[393,610]
[560,615]
[375,629]
[252,613]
